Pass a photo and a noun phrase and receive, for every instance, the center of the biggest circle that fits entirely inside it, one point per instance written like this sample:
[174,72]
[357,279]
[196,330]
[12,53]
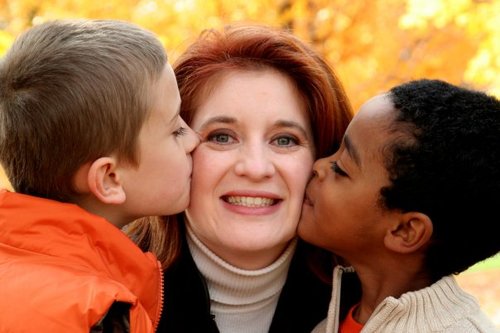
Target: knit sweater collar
[231,286]
[435,308]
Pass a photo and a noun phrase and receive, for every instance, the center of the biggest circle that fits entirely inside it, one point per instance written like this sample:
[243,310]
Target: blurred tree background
[372,44]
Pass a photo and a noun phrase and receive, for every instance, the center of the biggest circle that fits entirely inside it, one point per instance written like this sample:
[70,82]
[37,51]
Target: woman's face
[251,169]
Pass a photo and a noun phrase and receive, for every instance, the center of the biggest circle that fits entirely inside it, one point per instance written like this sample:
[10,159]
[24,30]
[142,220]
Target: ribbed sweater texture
[442,307]
[242,301]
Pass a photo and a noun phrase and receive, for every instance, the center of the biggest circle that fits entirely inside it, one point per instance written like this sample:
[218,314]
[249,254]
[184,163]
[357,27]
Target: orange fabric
[349,325]
[61,268]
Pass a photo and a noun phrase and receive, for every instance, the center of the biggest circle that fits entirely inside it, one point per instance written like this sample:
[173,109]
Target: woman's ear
[104,182]
[412,232]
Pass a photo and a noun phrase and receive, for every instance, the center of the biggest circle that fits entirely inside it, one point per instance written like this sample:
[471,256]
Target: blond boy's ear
[101,179]
[412,232]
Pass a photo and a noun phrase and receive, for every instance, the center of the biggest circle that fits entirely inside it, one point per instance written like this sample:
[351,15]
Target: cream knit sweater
[442,307]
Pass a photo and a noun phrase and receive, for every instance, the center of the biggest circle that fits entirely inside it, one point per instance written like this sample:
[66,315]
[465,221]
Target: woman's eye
[220,138]
[338,170]
[180,131]
[285,141]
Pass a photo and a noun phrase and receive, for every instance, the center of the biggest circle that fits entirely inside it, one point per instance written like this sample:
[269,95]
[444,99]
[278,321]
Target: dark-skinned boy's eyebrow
[351,150]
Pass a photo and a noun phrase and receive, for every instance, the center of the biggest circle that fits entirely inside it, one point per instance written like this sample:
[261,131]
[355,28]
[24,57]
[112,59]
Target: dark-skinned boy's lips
[307,200]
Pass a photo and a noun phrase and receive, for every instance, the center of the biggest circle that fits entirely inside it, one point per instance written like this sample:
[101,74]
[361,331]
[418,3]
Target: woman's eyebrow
[292,124]
[218,119]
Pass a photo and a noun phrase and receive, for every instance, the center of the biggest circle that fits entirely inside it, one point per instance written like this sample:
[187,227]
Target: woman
[265,106]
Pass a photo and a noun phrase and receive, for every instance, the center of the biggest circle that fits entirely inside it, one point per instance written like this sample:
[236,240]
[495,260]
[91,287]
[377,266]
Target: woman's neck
[239,297]
[245,257]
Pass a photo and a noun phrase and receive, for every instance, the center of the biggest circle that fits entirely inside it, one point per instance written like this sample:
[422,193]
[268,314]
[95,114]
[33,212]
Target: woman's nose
[255,162]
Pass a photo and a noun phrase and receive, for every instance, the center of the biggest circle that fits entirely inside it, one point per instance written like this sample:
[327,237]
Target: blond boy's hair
[72,91]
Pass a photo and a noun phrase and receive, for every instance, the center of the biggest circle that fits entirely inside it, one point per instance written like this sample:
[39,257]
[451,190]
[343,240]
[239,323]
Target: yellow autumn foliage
[371,44]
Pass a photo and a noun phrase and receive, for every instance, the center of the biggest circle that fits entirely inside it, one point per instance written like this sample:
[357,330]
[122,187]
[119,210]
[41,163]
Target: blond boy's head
[70,92]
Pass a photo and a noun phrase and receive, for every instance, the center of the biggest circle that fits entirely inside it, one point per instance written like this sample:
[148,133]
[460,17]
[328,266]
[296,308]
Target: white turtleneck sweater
[243,301]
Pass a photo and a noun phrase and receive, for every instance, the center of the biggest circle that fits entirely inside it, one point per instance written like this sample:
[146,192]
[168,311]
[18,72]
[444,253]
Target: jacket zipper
[160,309]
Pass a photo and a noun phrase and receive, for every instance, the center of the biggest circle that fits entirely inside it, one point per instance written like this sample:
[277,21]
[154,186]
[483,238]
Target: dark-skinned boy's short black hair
[444,161]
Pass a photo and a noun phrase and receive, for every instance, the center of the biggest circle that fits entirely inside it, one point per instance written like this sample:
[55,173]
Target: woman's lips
[252,202]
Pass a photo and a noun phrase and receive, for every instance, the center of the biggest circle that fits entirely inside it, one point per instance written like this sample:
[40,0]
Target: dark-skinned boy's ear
[412,233]
[104,181]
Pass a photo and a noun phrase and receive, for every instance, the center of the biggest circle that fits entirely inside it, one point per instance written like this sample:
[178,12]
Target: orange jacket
[61,268]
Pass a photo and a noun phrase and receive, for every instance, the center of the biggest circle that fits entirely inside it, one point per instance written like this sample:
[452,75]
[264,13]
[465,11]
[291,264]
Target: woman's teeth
[250,201]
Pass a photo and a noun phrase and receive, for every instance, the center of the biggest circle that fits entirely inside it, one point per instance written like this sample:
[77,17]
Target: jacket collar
[42,226]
